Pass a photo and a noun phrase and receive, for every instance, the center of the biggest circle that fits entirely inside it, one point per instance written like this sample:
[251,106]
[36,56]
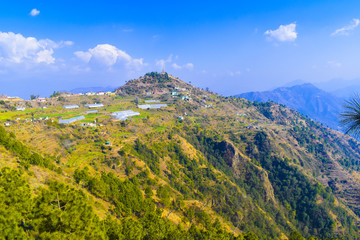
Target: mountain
[307,99]
[202,167]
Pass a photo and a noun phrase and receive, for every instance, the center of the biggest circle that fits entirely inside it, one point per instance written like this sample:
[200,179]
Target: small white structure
[88,124]
[152,101]
[71,120]
[40,99]
[96,105]
[90,94]
[144,106]
[154,106]
[92,111]
[20,108]
[123,115]
[71,106]
[151,106]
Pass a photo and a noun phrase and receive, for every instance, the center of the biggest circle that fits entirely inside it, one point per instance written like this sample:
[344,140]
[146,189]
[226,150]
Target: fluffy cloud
[34,12]
[66,43]
[237,73]
[188,66]
[109,55]
[285,33]
[15,48]
[347,29]
[162,62]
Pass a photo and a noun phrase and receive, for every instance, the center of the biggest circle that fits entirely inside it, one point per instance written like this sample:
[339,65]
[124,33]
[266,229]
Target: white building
[20,108]
[152,101]
[151,106]
[96,105]
[123,115]
[71,106]
[92,111]
[71,120]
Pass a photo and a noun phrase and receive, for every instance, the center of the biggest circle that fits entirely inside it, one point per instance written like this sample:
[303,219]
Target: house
[152,101]
[92,111]
[87,124]
[155,106]
[144,106]
[71,106]
[151,106]
[174,93]
[90,94]
[123,115]
[71,120]
[97,105]
[20,108]
[100,93]
[41,99]
[7,124]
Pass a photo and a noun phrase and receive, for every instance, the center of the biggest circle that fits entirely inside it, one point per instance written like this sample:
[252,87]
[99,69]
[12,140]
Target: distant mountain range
[305,98]
[91,89]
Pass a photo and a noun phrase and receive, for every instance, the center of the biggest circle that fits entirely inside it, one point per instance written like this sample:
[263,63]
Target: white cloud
[188,66]
[109,55]
[237,73]
[174,65]
[334,64]
[66,43]
[346,30]
[34,12]
[285,33]
[15,48]
[162,62]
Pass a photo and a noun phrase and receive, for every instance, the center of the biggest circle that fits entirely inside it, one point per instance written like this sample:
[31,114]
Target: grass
[160,129]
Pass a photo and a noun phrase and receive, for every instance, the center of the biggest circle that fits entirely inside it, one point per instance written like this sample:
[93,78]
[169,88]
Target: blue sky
[229,46]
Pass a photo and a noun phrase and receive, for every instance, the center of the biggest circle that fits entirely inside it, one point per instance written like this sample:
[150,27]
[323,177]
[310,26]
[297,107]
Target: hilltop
[152,83]
[202,166]
[305,98]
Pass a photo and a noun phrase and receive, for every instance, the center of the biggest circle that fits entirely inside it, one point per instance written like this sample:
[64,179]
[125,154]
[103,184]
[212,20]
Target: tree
[32,97]
[350,118]
[294,235]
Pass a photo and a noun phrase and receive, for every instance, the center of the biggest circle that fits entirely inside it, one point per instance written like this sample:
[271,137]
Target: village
[82,108]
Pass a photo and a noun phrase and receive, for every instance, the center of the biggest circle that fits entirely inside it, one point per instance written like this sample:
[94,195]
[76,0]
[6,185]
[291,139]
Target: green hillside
[203,167]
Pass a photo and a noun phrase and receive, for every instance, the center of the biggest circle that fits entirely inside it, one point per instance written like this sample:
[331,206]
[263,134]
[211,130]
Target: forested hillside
[203,167]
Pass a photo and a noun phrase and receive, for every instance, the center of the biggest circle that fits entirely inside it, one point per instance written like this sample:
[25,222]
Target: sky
[230,47]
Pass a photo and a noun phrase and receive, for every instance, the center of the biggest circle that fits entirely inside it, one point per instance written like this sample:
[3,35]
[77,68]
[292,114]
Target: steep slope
[305,98]
[204,167]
